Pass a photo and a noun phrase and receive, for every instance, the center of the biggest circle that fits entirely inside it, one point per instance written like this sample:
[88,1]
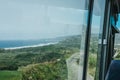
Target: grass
[92,64]
[10,75]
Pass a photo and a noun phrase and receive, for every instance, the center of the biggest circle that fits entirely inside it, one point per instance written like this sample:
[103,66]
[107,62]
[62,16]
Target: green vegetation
[10,75]
[92,64]
[43,63]
[56,70]
[117,47]
[40,63]
[93,55]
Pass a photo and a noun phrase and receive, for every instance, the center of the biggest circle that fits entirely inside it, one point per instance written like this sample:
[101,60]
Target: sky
[34,19]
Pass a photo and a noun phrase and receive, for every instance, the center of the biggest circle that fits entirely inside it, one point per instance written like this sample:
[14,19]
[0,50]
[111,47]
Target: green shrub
[56,70]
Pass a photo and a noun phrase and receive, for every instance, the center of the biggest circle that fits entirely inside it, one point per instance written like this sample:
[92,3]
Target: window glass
[93,50]
[42,39]
[117,38]
[118,22]
[117,47]
[95,39]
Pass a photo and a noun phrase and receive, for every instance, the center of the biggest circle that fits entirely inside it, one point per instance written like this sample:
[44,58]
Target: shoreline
[117,44]
[31,46]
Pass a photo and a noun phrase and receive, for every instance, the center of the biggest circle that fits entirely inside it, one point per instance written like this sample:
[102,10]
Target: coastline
[117,44]
[38,45]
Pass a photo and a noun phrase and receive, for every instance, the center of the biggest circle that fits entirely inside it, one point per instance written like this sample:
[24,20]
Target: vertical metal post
[87,37]
[103,51]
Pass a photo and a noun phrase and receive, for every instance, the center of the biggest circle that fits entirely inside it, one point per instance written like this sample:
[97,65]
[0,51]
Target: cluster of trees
[24,58]
[56,70]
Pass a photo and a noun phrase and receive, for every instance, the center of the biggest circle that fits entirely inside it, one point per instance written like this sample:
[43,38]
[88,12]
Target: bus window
[118,22]
[95,39]
[117,38]
[42,39]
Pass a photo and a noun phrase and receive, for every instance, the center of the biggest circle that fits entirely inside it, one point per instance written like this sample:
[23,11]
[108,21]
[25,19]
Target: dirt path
[75,70]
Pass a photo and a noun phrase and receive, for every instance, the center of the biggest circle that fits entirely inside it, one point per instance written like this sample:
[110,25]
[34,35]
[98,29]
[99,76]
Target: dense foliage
[56,70]
[42,63]
[45,62]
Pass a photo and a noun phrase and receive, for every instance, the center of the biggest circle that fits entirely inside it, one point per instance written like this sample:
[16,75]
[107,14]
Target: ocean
[14,44]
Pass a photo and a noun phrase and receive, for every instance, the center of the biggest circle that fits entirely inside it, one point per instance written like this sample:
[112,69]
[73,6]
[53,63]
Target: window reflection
[95,40]
[42,40]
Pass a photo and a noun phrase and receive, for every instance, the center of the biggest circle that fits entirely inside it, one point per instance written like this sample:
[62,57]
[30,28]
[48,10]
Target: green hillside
[10,75]
[42,63]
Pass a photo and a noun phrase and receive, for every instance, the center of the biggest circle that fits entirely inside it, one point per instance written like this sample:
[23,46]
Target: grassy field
[10,75]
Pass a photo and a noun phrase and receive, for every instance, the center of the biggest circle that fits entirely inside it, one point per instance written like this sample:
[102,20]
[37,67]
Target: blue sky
[23,19]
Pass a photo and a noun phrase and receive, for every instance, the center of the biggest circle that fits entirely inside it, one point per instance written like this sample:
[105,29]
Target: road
[75,67]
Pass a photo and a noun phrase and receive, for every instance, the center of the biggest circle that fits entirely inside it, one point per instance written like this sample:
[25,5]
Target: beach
[38,45]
